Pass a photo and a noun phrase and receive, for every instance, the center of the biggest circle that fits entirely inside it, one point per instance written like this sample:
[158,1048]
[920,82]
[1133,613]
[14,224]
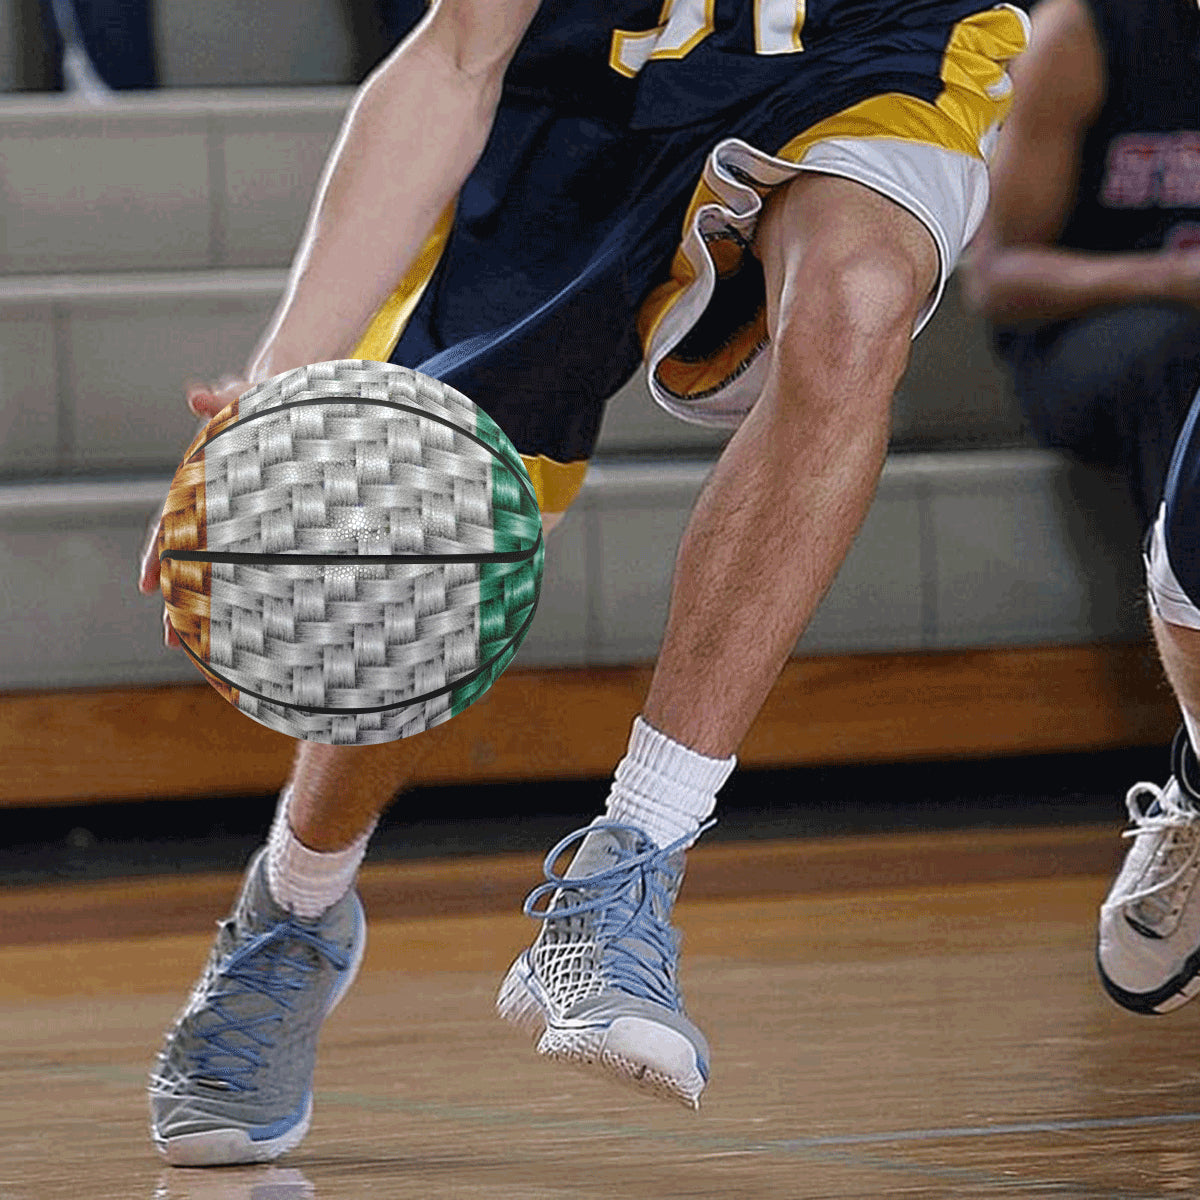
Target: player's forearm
[1048,283]
[414,133]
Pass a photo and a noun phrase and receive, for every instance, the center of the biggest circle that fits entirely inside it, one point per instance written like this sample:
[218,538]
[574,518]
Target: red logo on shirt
[1152,170]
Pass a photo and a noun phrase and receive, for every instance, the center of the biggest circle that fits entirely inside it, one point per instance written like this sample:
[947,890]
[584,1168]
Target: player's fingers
[170,637]
[203,402]
[206,401]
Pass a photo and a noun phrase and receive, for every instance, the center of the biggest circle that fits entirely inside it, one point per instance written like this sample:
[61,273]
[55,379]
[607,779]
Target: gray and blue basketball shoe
[599,982]
[233,1081]
[1149,939]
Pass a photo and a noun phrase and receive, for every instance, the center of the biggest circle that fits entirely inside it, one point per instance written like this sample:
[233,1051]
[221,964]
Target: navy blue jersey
[1139,186]
[614,60]
[755,47]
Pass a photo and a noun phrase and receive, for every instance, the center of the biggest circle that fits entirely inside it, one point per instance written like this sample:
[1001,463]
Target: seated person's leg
[115,36]
[1112,388]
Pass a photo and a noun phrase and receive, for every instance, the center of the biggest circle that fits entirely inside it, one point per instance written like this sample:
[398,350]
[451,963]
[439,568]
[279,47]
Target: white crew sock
[307,882]
[663,788]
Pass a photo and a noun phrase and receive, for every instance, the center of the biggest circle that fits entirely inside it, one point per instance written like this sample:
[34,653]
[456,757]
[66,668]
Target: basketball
[351,552]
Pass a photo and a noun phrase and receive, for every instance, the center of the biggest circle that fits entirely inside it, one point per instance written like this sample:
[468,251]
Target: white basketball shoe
[599,982]
[1149,941]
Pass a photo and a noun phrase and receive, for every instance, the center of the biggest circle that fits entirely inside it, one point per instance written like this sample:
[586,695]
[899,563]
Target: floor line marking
[1065,1125]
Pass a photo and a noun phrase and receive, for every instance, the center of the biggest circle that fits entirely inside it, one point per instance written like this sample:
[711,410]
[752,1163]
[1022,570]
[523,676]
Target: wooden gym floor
[891,1015]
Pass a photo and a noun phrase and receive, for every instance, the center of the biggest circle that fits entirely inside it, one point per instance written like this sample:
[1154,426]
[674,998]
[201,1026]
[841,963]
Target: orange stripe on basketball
[187,586]
[225,417]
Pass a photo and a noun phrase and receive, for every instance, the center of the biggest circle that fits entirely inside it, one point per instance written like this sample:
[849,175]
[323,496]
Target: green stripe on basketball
[508,592]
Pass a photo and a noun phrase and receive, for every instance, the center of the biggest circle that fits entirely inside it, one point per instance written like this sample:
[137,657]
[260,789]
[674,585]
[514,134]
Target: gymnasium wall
[145,243]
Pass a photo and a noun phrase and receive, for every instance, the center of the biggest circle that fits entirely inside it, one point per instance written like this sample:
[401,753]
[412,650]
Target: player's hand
[205,401]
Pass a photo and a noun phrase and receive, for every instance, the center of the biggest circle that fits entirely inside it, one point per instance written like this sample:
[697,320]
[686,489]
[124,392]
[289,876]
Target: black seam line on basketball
[378,708]
[252,558]
[408,408]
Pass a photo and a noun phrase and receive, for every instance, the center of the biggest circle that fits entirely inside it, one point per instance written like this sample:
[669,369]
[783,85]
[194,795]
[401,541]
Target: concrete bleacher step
[964,549]
[161,181]
[93,368]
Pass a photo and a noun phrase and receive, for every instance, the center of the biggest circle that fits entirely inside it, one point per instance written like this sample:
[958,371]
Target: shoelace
[626,899]
[263,966]
[1164,814]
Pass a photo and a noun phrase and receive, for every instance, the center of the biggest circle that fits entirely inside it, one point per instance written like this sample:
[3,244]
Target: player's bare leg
[1179,650]
[847,273]
[337,793]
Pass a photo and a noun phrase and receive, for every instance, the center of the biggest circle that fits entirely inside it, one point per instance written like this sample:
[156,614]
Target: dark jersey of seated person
[1087,384]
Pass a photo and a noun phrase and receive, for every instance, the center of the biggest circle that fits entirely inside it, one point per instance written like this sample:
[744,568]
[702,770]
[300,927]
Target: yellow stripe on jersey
[976,94]
[377,344]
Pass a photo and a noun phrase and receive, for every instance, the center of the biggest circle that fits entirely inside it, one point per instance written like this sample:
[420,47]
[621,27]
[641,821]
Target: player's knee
[846,307]
[852,298]
[875,292]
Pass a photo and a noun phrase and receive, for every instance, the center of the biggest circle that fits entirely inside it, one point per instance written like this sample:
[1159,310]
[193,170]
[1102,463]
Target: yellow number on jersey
[684,24]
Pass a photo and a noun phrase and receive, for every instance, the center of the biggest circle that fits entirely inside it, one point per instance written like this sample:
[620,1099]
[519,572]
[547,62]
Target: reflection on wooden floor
[938,1038]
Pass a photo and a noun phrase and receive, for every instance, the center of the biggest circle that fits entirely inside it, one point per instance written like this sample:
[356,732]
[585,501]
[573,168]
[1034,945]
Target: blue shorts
[582,245]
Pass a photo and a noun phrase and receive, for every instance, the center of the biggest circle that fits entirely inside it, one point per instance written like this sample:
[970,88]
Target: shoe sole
[634,1051]
[233,1146]
[1173,994]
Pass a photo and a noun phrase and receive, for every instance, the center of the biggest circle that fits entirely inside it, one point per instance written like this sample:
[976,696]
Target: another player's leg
[847,272]
[1149,935]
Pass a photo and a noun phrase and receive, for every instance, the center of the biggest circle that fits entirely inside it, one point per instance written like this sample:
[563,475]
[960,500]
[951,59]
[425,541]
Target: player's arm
[1014,272]
[415,130]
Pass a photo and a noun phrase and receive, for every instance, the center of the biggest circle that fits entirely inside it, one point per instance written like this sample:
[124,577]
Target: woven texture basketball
[351,552]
